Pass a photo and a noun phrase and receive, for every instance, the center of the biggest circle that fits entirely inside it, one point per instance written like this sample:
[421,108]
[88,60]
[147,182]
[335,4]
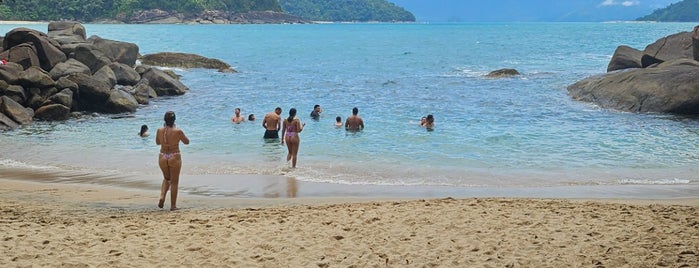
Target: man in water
[354,122]
[315,114]
[237,118]
[272,124]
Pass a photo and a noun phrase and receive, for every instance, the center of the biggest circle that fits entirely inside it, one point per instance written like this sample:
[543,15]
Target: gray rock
[70,66]
[65,98]
[35,77]
[184,60]
[120,102]
[125,75]
[6,122]
[16,111]
[142,92]
[52,112]
[625,57]
[122,52]
[107,75]
[16,93]
[676,46]
[695,43]
[671,87]
[22,54]
[502,73]
[64,82]
[90,56]
[46,49]
[91,92]
[67,32]
[163,84]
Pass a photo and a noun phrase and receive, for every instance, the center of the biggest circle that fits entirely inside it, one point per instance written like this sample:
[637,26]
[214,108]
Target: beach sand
[53,224]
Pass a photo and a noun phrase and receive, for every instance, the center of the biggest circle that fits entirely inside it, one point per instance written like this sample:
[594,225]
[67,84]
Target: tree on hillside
[684,11]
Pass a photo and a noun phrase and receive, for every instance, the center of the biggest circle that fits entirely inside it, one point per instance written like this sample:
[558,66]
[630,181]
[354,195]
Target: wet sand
[57,224]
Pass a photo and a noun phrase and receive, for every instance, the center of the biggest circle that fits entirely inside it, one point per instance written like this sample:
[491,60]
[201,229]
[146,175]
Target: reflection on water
[277,188]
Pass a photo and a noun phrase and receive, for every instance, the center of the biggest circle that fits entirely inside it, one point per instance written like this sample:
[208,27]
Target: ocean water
[515,132]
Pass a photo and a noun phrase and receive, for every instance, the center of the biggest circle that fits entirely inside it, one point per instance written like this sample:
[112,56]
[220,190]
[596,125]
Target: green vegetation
[90,10]
[346,10]
[685,11]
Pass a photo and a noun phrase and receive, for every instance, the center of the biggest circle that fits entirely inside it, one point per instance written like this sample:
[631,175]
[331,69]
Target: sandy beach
[49,224]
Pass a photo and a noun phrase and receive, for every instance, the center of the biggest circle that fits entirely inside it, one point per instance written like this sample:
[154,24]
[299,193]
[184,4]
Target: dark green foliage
[90,10]
[686,11]
[346,10]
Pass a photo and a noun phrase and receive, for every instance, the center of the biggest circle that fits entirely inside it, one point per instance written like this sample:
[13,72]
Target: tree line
[684,11]
[92,10]
[346,10]
[95,10]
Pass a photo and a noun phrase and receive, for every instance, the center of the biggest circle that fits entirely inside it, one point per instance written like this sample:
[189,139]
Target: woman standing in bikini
[169,159]
[290,131]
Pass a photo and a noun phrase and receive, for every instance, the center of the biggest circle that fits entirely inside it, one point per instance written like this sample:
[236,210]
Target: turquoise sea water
[515,132]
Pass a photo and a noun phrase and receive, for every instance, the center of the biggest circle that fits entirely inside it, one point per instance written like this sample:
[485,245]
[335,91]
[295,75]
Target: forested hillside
[91,10]
[346,10]
[686,11]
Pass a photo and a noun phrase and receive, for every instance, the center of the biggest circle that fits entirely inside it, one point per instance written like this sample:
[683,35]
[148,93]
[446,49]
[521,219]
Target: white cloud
[627,3]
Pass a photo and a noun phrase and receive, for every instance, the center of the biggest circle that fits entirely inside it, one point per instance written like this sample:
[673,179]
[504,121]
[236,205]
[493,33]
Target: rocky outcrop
[502,73]
[670,87]
[52,76]
[157,16]
[663,78]
[185,60]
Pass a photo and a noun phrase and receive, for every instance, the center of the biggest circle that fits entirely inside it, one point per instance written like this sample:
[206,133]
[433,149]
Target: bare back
[271,121]
[169,139]
[354,122]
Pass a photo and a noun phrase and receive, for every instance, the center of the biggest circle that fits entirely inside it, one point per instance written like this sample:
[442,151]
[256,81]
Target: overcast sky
[530,10]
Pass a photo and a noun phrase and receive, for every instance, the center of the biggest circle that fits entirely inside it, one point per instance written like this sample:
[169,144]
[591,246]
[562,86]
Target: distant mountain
[346,10]
[530,10]
[687,10]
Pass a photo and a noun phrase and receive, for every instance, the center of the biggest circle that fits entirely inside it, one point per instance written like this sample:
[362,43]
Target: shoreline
[55,224]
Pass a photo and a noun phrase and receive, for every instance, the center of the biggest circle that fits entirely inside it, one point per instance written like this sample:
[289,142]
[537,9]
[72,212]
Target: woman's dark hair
[169,118]
[338,119]
[144,128]
[292,113]
[430,118]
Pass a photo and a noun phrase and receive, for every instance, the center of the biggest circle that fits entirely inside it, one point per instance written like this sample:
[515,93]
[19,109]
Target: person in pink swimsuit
[290,131]
[169,159]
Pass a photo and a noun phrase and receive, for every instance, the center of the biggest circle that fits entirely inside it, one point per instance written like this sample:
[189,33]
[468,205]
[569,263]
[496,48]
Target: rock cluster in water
[663,78]
[55,75]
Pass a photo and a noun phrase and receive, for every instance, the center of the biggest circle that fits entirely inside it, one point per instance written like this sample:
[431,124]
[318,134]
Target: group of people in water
[169,138]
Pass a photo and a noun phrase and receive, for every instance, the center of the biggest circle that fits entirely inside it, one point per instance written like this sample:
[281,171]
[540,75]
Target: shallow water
[515,132]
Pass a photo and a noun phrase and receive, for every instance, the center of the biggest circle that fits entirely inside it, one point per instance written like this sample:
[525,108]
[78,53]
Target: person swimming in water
[429,122]
[237,118]
[144,131]
[169,159]
[290,132]
[354,122]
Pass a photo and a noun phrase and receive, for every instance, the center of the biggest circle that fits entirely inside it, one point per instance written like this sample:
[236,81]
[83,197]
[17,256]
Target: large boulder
[107,75]
[118,51]
[16,111]
[670,87]
[120,102]
[163,84]
[125,75]
[184,60]
[52,112]
[10,71]
[22,54]
[14,92]
[90,56]
[625,57]
[502,73]
[47,50]
[71,66]
[676,46]
[67,32]
[35,77]
[65,98]
[6,122]
[38,96]
[142,92]
[91,92]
